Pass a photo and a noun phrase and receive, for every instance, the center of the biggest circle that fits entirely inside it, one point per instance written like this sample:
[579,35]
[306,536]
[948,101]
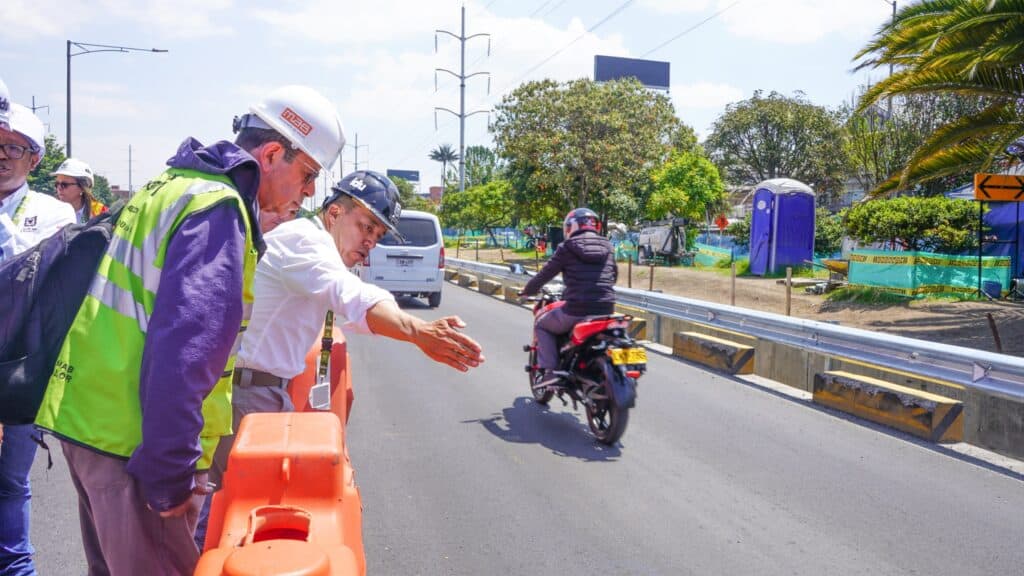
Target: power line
[688,30]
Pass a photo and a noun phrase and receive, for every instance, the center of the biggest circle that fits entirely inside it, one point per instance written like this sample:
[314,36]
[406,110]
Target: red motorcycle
[599,364]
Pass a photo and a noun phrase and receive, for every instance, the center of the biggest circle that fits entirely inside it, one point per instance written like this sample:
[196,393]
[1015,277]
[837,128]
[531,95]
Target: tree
[881,140]
[779,137]
[828,231]
[935,224]
[407,196]
[583,144]
[101,190]
[40,179]
[966,47]
[482,207]
[446,155]
[687,186]
[740,231]
[481,165]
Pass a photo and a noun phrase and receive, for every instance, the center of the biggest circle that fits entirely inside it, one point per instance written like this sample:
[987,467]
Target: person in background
[26,218]
[586,261]
[74,185]
[138,422]
[305,274]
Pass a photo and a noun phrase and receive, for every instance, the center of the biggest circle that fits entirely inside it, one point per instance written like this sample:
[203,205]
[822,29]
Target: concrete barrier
[718,353]
[511,293]
[467,281]
[929,416]
[638,327]
[489,287]
[450,274]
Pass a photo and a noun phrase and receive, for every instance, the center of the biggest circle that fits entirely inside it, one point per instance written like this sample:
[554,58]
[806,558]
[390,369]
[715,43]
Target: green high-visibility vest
[93,395]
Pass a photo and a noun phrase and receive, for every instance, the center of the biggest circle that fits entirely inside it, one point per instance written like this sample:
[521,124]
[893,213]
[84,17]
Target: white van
[415,268]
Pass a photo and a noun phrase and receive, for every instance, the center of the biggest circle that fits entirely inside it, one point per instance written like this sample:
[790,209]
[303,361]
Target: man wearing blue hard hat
[304,277]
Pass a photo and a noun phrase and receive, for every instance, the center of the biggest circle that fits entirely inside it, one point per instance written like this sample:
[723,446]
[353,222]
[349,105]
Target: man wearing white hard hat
[74,185]
[174,291]
[26,218]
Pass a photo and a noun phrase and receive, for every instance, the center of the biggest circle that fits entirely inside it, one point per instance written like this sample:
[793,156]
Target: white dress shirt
[300,277]
[27,218]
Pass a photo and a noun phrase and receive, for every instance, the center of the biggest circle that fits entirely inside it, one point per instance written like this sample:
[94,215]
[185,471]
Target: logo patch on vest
[29,223]
[300,124]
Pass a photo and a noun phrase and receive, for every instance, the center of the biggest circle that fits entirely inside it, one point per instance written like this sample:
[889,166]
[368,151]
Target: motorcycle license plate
[628,356]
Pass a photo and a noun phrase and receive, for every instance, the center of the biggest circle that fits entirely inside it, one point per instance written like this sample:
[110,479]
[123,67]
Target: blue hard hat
[375,192]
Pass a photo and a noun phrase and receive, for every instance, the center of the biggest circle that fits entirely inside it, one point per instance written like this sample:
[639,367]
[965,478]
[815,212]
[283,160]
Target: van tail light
[440,261]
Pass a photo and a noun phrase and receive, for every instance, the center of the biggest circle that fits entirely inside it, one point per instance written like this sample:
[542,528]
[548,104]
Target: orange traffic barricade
[290,504]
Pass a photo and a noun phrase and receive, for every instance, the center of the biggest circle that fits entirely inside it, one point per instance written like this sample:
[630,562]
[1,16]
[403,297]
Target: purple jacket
[196,316]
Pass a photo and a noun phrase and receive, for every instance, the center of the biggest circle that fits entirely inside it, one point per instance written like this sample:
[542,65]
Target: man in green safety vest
[140,393]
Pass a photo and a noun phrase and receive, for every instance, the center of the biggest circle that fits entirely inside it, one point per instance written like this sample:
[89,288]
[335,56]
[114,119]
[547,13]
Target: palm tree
[446,155]
[972,48]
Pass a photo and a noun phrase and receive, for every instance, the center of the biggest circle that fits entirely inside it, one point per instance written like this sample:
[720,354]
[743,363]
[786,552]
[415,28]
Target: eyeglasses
[15,151]
[63,185]
[310,176]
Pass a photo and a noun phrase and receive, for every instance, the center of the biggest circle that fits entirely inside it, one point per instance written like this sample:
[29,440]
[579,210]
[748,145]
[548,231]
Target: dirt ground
[956,323]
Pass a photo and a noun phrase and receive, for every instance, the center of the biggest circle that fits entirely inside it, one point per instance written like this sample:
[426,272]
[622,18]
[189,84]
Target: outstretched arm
[440,339]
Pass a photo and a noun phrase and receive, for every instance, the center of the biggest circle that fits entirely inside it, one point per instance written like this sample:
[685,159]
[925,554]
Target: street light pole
[89,49]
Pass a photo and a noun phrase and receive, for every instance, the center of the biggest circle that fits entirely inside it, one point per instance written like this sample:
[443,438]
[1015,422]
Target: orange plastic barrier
[290,504]
[341,381]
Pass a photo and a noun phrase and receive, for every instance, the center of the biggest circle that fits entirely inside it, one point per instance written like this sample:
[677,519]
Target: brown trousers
[121,535]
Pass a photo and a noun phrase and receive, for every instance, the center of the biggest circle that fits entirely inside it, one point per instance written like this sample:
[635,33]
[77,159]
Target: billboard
[650,73]
[412,176]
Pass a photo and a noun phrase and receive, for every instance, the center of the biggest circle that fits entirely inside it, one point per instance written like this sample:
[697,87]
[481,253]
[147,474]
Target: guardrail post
[789,288]
[650,281]
[732,292]
[629,273]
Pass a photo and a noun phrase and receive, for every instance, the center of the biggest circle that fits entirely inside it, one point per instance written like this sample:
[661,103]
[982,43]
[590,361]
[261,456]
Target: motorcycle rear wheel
[540,395]
[607,420]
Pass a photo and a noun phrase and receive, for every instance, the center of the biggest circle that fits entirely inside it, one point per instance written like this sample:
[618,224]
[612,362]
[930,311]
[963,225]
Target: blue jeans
[16,455]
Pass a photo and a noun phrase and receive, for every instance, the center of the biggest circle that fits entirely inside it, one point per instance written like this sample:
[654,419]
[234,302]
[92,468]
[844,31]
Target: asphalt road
[464,474]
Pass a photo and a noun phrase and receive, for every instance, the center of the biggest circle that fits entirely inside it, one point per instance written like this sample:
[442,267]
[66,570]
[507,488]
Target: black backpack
[41,291]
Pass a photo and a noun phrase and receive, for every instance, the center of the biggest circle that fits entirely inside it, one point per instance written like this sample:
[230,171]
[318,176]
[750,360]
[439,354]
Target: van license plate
[628,356]
[404,262]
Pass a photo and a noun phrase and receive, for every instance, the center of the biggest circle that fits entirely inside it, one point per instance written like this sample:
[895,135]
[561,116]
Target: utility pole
[889,100]
[131,191]
[40,107]
[357,147]
[462,76]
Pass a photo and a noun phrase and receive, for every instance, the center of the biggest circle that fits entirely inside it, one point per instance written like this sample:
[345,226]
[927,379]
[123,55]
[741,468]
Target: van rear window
[417,233]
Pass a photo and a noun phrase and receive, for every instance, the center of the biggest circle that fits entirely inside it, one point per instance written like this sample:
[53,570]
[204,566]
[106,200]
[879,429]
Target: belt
[245,378]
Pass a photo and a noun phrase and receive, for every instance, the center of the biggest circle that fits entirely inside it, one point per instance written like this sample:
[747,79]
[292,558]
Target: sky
[376,60]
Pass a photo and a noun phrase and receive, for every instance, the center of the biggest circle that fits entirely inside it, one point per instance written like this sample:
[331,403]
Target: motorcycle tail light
[633,373]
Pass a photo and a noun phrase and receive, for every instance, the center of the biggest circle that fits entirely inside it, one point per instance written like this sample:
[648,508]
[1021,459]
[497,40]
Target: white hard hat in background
[307,119]
[5,106]
[24,122]
[76,169]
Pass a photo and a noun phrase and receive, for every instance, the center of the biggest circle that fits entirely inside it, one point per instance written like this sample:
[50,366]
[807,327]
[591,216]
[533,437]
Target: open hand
[442,341]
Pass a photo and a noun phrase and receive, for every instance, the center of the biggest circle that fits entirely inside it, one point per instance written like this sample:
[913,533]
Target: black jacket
[587,263]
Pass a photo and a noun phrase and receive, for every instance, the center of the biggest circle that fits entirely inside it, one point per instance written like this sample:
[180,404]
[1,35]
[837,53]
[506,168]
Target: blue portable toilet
[781,226]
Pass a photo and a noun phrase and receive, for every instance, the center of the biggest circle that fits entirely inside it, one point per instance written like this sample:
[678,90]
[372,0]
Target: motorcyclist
[587,263]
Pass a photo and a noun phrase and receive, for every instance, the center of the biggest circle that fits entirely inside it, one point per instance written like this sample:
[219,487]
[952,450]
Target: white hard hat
[76,169]
[24,122]
[304,117]
[5,106]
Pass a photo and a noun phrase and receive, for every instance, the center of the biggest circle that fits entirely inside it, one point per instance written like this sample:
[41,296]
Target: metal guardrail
[996,374]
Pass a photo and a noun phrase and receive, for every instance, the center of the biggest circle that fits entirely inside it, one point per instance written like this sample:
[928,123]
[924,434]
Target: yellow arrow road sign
[999,187]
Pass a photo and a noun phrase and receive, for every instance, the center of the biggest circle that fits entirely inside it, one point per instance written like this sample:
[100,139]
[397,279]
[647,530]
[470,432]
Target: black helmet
[580,219]
[375,192]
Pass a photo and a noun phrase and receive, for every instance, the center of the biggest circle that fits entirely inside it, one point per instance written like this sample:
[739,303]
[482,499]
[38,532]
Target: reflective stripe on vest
[93,395]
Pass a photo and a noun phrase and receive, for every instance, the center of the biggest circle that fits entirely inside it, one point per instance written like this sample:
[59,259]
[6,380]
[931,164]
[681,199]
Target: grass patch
[867,295]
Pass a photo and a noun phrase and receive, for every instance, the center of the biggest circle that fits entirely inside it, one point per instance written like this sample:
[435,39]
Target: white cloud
[802,21]
[675,6]
[356,23]
[702,95]
[105,100]
[28,19]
